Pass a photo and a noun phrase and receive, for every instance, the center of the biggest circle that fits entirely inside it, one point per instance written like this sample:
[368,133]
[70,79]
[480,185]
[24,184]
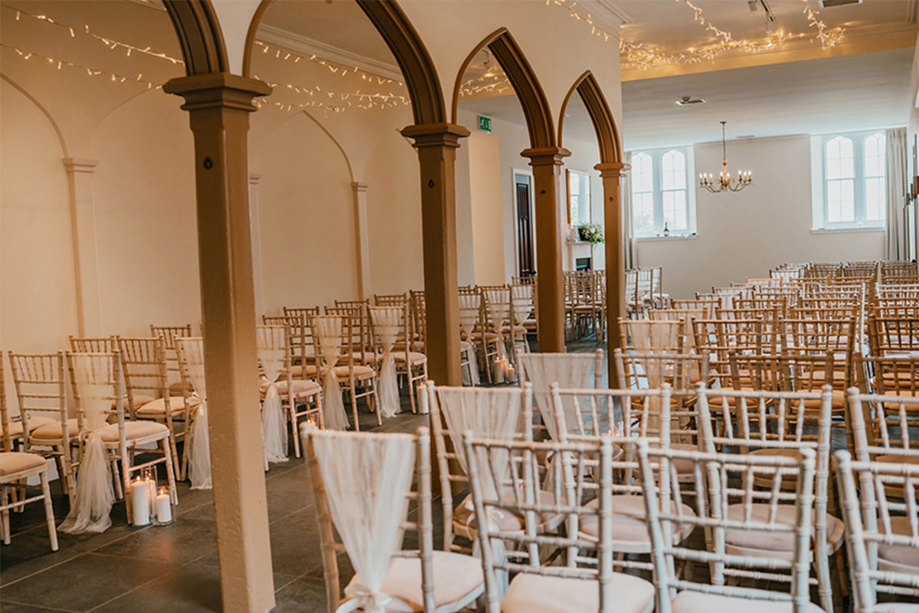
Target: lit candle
[150,482]
[163,507]
[421,392]
[140,506]
[511,373]
[498,371]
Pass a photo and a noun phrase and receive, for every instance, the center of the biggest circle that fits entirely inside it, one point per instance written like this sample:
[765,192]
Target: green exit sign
[484,123]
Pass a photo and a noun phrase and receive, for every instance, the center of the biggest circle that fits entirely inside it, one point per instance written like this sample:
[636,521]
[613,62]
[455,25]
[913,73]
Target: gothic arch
[200,36]
[600,116]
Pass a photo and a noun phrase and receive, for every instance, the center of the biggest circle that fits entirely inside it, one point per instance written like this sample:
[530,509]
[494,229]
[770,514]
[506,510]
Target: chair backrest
[98,392]
[722,480]
[419,315]
[106,344]
[170,334]
[569,370]
[396,300]
[299,335]
[643,370]
[505,479]
[39,380]
[191,364]
[651,335]
[389,324]
[356,340]
[470,311]
[495,413]
[523,301]
[686,316]
[880,503]
[362,484]
[145,370]
[894,335]
[273,350]
[892,375]
[880,425]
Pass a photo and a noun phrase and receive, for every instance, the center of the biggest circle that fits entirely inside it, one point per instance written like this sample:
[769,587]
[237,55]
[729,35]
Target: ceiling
[668,27]
[852,92]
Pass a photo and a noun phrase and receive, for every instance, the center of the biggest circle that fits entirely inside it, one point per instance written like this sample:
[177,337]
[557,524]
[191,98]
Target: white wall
[746,233]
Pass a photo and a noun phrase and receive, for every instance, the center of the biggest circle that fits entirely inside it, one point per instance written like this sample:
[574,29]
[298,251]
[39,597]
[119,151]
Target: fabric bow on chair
[386,323]
[191,352]
[328,336]
[271,352]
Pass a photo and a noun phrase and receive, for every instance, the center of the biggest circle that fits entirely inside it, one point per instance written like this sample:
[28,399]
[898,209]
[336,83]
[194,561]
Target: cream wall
[744,234]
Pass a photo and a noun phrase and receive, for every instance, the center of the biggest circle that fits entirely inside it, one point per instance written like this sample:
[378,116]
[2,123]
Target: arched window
[642,194]
[854,181]
[875,176]
[661,199]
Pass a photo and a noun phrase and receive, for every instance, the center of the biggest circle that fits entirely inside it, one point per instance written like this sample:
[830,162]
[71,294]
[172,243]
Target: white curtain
[366,479]
[569,370]
[92,374]
[327,330]
[896,194]
[387,323]
[272,351]
[199,448]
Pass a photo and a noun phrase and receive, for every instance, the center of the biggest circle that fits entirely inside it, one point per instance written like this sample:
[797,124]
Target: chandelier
[724,182]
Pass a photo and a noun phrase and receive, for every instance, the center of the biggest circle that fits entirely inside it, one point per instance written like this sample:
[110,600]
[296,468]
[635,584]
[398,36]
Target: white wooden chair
[170,334]
[505,481]
[341,367]
[45,427]
[770,423]
[107,437]
[362,484]
[196,457]
[721,480]
[389,324]
[882,531]
[496,413]
[15,468]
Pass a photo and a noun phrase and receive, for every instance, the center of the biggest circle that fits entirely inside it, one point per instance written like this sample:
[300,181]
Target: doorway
[523,204]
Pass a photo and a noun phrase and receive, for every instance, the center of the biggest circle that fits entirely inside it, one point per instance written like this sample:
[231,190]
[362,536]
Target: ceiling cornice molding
[308,46]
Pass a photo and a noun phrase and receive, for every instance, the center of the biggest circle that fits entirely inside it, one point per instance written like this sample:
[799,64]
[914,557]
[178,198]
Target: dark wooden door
[526,261]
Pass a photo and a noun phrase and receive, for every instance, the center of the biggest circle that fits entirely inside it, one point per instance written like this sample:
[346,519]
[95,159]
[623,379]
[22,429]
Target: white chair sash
[499,308]
[199,448]
[94,493]
[569,370]
[328,335]
[366,479]
[271,354]
[387,323]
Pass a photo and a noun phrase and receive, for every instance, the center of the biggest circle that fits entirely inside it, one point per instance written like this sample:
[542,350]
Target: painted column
[547,163]
[362,234]
[83,220]
[611,172]
[437,145]
[219,105]
[255,219]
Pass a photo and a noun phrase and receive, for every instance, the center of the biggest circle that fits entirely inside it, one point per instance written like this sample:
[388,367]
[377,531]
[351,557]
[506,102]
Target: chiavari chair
[169,334]
[353,374]
[354,312]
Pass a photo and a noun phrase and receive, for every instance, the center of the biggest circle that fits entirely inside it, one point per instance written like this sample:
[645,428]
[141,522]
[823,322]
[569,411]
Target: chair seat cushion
[158,406]
[364,357]
[135,430]
[896,607]
[142,399]
[34,423]
[697,602]
[303,370]
[13,462]
[529,593]
[360,372]
[301,388]
[414,356]
[629,521]
[773,541]
[838,402]
[457,578]
[901,555]
[176,389]
[52,431]
[464,515]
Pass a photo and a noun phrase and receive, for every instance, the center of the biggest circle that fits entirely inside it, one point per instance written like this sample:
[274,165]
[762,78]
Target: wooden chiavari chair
[358,324]
[169,334]
[45,427]
[353,373]
[412,365]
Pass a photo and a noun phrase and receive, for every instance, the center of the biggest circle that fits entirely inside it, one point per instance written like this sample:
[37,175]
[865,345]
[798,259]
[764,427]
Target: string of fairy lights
[641,56]
[633,54]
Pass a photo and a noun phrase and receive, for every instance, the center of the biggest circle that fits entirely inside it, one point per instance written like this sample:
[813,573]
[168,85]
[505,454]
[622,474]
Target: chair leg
[170,473]
[357,423]
[175,456]
[116,478]
[63,474]
[293,424]
[5,515]
[49,510]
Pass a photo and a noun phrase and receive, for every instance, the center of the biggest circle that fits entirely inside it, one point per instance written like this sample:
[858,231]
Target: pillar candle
[421,392]
[498,371]
[163,507]
[140,505]
[151,496]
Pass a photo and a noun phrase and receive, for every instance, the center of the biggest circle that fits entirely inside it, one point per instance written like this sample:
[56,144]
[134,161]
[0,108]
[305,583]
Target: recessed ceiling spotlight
[687,100]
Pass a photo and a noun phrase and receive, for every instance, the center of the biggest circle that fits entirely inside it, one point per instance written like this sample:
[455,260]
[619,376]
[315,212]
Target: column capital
[357,186]
[612,169]
[435,134]
[217,89]
[80,165]
[545,156]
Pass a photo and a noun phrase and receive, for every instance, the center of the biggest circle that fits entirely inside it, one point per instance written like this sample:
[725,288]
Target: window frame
[820,181]
[657,193]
